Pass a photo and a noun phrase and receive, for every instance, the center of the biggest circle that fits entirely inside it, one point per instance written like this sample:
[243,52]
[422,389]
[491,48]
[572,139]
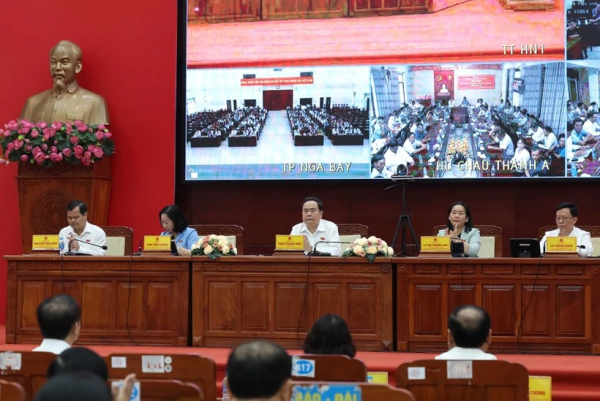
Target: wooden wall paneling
[570,307]
[210,11]
[256,319]
[158,309]
[131,294]
[559,309]
[277,304]
[369,8]
[296,9]
[537,322]
[94,318]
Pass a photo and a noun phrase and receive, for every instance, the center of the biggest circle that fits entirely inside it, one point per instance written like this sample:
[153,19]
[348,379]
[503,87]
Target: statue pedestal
[45,192]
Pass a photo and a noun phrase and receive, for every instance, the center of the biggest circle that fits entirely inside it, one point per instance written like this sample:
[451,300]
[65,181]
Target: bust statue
[66,101]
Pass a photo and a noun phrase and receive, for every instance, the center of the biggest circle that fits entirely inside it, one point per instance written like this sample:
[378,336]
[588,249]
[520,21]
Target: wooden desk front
[248,297]
[563,313]
[158,297]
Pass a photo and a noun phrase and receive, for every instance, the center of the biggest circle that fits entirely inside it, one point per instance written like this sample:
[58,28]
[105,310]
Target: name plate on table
[435,244]
[157,243]
[289,243]
[325,392]
[561,245]
[45,243]
[540,388]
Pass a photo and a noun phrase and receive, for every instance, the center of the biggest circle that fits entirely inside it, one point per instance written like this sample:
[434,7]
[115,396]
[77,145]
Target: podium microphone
[314,252]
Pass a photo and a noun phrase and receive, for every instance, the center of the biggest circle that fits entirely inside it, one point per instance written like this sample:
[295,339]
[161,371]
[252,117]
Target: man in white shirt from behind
[59,320]
[315,229]
[80,236]
[469,334]
[566,218]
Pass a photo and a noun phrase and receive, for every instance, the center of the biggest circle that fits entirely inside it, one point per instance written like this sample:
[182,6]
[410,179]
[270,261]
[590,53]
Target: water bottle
[61,245]
[573,170]
[225,395]
[493,170]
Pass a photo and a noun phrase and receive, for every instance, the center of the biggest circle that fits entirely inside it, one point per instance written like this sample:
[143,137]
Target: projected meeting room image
[277,123]
[468,120]
[583,127]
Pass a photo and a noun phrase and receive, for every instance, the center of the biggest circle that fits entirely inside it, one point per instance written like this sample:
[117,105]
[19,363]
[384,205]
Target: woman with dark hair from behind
[329,335]
[460,228]
[175,224]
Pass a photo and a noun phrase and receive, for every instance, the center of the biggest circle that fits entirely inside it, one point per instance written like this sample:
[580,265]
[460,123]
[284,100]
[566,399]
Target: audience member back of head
[76,386]
[58,318]
[330,335]
[79,359]
[469,334]
[259,370]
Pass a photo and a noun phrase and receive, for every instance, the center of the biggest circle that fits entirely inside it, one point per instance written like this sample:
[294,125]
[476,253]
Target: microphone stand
[404,220]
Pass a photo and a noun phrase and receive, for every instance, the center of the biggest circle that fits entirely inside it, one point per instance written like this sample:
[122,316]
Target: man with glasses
[566,217]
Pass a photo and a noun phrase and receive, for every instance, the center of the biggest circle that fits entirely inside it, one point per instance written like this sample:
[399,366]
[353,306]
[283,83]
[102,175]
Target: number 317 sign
[326,392]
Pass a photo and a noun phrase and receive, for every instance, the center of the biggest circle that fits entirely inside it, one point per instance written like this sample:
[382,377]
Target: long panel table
[124,300]
[562,311]
[278,298]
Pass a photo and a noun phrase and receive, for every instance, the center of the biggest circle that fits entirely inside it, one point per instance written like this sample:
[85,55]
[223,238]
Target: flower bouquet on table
[213,246]
[369,248]
[47,144]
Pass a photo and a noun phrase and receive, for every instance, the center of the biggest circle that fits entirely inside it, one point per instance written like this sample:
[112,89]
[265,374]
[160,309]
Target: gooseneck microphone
[314,252]
[139,252]
[87,243]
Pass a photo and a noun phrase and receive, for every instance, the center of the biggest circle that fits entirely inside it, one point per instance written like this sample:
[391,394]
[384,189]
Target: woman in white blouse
[521,158]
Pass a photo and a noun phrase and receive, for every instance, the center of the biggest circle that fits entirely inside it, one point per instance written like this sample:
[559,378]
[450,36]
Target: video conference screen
[504,118]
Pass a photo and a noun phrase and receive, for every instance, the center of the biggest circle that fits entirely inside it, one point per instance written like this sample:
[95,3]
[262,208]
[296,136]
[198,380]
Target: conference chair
[32,374]
[234,234]
[119,240]
[195,369]
[369,391]
[489,380]
[491,240]
[10,391]
[593,230]
[334,368]
[351,232]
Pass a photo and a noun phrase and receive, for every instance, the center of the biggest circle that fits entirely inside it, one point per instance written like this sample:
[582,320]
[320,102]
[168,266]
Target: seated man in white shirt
[566,217]
[80,236]
[58,318]
[395,156]
[469,334]
[536,132]
[379,170]
[316,229]
[589,127]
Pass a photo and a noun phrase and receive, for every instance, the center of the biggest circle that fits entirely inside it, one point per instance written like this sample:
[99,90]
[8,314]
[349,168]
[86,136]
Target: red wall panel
[129,57]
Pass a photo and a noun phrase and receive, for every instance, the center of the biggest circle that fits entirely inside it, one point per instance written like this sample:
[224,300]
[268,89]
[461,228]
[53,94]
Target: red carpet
[471,31]
[574,378]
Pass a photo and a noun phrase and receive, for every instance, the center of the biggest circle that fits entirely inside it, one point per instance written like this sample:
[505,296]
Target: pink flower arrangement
[43,144]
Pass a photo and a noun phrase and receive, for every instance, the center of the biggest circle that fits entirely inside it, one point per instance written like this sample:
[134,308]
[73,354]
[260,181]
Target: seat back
[491,240]
[369,391]
[195,369]
[31,375]
[10,391]
[119,240]
[352,232]
[333,368]
[490,380]
[168,390]
[593,230]
[234,234]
